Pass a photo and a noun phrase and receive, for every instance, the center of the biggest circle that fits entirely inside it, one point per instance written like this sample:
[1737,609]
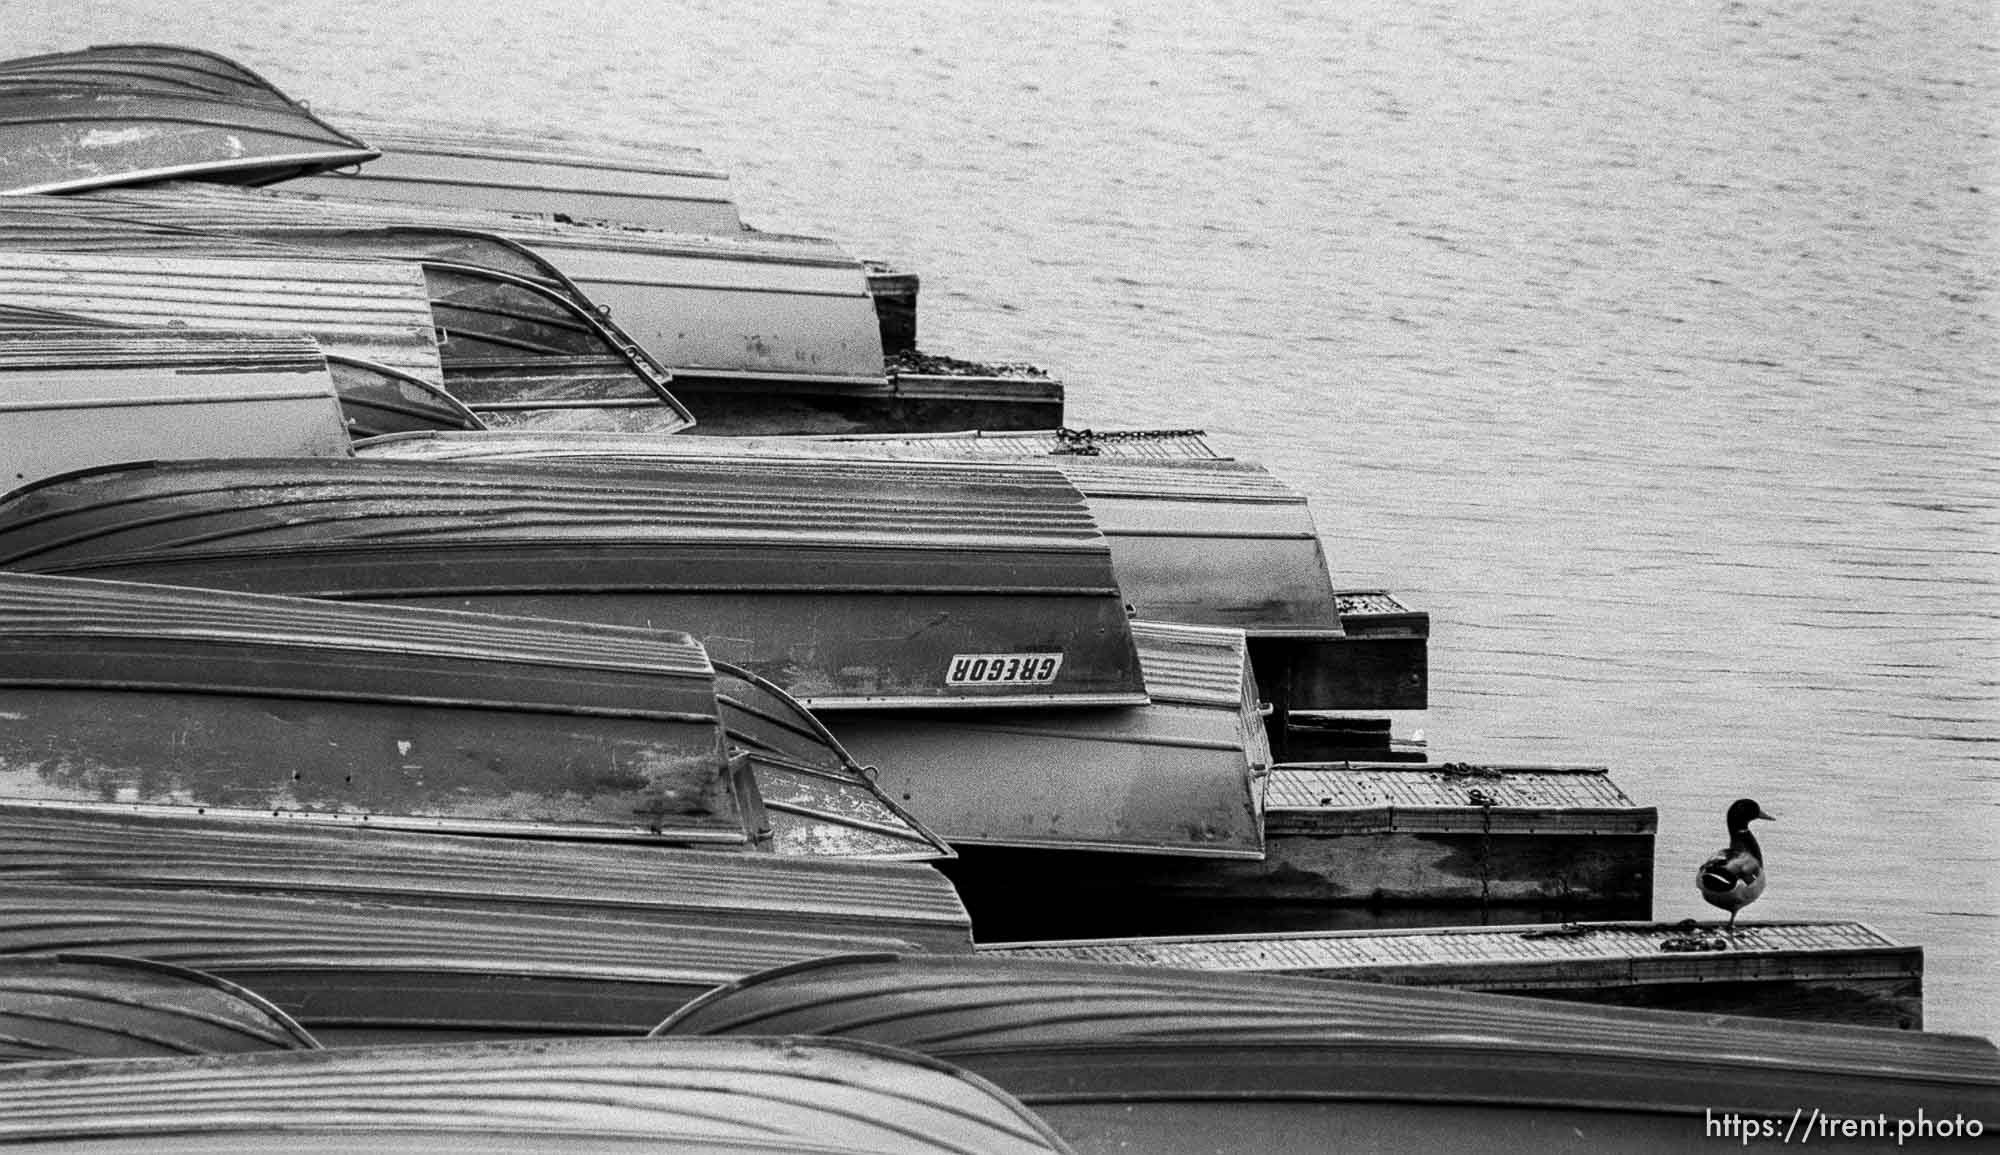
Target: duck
[1733,877]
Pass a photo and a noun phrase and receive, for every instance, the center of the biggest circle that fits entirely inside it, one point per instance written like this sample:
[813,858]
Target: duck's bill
[1766,815]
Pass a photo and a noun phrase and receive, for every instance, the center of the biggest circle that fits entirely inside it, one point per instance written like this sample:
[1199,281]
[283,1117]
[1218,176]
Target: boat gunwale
[84,184]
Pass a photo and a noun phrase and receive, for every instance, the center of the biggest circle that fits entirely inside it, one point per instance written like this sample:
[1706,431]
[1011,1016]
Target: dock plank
[1844,972]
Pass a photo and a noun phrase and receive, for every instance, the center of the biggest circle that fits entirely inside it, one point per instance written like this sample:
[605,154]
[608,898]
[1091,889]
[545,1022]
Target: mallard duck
[1734,877]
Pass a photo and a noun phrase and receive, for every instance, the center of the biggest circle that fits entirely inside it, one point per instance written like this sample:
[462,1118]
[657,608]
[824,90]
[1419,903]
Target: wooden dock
[1838,972]
[1351,846]
[1380,661]
[1458,834]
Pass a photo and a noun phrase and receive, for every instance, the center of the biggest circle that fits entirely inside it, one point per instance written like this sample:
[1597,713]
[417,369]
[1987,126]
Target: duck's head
[1742,811]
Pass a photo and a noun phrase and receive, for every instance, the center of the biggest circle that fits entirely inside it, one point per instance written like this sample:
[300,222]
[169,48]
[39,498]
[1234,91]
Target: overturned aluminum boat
[106,1007]
[163,850]
[147,698]
[681,295]
[355,970]
[376,311]
[80,398]
[1181,776]
[846,585]
[671,189]
[1212,541]
[374,400]
[676,190]
[1194,540]
[1201,542]
[510,347]
[829,1096]
[762,332]
[138,223]
[365,934]
[134,113]
[170,67]
[1163,1060]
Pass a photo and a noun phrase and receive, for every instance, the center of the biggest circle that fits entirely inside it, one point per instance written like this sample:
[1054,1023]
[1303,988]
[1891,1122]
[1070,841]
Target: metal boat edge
[839,1097]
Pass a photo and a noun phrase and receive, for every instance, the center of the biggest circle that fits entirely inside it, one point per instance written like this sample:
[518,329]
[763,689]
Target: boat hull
[600,1095]
[675,190]
[113,1008]
[847,587]
[77,399]
[1180,776]
[1154,1055]
[122,114]
[56,141]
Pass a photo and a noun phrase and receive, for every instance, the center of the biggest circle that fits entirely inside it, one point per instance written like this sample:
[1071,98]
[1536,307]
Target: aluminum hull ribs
[104,1007]
[1151,1057]
[762,333]
[673,190]
[132,114]
[847,587]
[375,311]
[365,933]
[510,339]
[585,1095]
[1194,540]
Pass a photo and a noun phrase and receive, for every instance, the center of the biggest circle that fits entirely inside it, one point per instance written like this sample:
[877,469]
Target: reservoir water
[1651,349]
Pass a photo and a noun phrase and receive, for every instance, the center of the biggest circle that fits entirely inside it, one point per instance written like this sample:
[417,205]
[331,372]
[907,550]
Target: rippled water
[1650,348]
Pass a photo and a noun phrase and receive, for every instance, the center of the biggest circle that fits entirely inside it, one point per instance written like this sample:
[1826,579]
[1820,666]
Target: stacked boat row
[385,661]
[876,1053]
[1112,671]
[762,332]
[965,626]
